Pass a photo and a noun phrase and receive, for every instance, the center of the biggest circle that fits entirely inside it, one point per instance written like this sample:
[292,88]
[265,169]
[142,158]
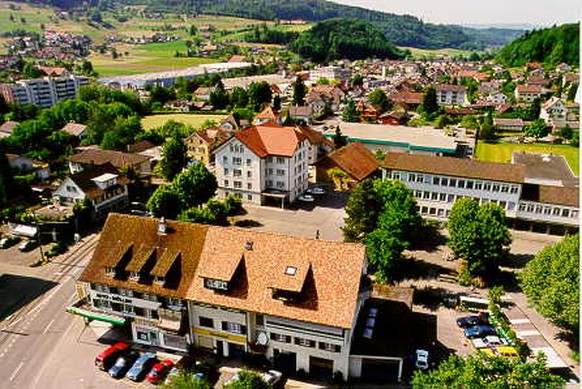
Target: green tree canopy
[165,201]
[260,95]
[379,100]
[350,113]
[173,158]
[248,380]
[482,371]
[299,92]
[537,129]
[429,101]
[478,234]
[551,281]
[195,186]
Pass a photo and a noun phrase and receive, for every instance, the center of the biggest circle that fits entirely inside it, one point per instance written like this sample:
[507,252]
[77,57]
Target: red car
[109,355]
[159,371]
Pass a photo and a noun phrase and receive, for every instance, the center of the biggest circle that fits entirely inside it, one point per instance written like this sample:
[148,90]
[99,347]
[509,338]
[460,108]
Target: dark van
[109,355]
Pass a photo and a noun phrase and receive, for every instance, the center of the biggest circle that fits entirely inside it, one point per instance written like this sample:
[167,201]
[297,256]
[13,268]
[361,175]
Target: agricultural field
[425,53]
[501,152]
[194,120]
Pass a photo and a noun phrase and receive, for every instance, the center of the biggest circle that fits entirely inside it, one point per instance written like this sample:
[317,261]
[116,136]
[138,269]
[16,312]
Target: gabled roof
[559,195]
[314,137]
[528,89]
[271,140]
[450,88]
[456,167]
[116,158]
[74,129]
[355,159]
[328,273]
[267,113]
[84,179]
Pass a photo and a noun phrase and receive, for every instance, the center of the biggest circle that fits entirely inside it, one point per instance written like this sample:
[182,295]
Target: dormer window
[211,283]
[160,280]
[110,272]
[134,275]
[290,270]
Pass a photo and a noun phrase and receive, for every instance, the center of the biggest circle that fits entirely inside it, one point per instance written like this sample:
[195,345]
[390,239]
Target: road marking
[16,371]
[519,321]
[48,326]
[528,333]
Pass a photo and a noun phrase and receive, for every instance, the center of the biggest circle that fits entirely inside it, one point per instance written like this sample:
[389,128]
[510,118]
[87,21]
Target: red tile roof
[271,140]
[355,159]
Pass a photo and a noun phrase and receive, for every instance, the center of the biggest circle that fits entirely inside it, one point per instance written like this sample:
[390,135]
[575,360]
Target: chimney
[162,227]
[249,245]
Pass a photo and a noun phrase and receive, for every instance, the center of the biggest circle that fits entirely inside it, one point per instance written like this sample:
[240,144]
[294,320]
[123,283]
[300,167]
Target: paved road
[33,332]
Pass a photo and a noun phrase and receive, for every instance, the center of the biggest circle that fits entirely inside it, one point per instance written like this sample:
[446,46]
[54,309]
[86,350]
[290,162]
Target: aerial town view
[301,194]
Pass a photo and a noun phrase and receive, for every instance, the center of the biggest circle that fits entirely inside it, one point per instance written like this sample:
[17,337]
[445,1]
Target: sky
[470,12]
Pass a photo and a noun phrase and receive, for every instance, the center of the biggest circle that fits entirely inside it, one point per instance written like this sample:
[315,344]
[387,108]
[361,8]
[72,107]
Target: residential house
[102,185]
[438,182]
[267,115]
[139,163]
[230,291]
[553,109]
[7,128]
[300,114]
[43,92]
[201,145]
[510,125]
[395,118]
[319,96]
[203,92]
[263,163]
[368,112]
[330,73]
[497,97]
[77,130]
[451,94]
[20,164]
[354,159]
[408,101]
[528,93]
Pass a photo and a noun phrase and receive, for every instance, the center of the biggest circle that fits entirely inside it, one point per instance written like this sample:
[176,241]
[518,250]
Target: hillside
[343,38]
[549,46]
[402,30]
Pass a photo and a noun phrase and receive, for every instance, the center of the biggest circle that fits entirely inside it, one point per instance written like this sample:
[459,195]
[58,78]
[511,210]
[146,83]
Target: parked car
[123,363]
[9,241]
[272,377]
[108,356]
[479,331]
[316,191]
[159,371]
[489,341]
[421,359]
[502,351]
[141,366]
[28,245]
[474,320]
[306,197]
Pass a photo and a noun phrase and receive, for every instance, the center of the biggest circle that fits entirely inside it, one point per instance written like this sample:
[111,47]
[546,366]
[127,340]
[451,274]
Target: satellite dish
[262,339]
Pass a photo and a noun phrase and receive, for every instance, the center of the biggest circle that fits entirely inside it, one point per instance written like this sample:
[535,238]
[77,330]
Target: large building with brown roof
[139,163]
[354,159]
[529,201]
[228,290]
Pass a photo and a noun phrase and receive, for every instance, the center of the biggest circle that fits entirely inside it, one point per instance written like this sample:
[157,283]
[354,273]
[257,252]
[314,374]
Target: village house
[77,130]
[528,93]
[354,159]
[451,94]
[7,127]
[139,163]
[511,125]
[553,109]
[202,144]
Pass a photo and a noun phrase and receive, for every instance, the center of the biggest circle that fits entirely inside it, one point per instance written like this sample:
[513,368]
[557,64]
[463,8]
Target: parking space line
[519,321]
[16,371]
[528,333]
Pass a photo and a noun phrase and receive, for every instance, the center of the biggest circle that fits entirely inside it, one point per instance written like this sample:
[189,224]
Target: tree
[248,380]
[350,113]
[195,186]
[260,94]
[165,201]
[339,140]
[478,234]
[277,103]
[537,129]
[6,178]
[186,380]
[218,97]
[551,281]
[429,101]
[572,90]
[239,97]
[299,92]
[483,371]
[379,100]
[173,158]
[357,80]
[214,212]
[338,177]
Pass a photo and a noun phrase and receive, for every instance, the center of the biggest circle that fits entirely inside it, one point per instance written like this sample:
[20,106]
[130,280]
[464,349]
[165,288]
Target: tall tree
[165,201]
[339,140]
[551,281]
[299,92]
[429,101]
[173,158]
[379,100]
[478,234]
[260,95]
[537,129]
[350,113]
[248,380]
[362,210]
[195,186]
[218,97]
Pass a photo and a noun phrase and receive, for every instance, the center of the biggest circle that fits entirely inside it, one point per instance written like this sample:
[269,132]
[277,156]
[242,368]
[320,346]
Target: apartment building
[261,164]
[438,182]
[43,92]
[230,291]
[330,73]
[451,94]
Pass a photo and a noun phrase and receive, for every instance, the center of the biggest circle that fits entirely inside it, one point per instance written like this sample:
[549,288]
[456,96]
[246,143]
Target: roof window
[290,270]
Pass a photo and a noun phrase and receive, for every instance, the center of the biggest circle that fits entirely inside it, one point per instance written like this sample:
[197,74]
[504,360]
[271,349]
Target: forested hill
[402,30]
[551,46]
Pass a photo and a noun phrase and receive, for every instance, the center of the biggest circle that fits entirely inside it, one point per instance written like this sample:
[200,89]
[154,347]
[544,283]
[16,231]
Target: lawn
[501,152]
[195,120]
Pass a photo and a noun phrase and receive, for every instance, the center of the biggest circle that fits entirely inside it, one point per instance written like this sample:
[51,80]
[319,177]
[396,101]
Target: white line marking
[519,321]
[49,326]
[16,371]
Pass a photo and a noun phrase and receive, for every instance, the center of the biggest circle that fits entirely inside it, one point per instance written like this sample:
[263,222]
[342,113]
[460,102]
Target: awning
[170,325]
[24,230]
[116,320]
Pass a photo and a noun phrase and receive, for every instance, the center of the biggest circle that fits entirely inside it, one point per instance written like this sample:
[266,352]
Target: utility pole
[38,236]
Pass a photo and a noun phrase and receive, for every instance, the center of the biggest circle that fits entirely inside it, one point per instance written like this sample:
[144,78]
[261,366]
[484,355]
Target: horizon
[544,13]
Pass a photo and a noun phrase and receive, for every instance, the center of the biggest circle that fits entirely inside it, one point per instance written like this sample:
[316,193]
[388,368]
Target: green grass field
[501,152]
[195,120]
[420,53]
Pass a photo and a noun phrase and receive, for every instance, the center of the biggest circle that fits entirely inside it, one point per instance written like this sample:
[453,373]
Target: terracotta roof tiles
[355,159]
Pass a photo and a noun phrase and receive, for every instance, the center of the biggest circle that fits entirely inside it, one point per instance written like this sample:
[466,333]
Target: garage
[380,371]
[285,361]
[320,367]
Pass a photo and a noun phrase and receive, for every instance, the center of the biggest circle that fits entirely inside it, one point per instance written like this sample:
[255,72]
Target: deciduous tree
[173,158]
[165,201]
[299,92]
[195,186]
[379,100]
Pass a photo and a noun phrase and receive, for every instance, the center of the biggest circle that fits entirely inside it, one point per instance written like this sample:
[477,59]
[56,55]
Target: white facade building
[263,162]
[43,92]
[330,73]
[451,94]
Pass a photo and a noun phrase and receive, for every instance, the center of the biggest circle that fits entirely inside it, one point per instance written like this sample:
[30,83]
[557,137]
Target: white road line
[16,371]
[519,321]
[48,326]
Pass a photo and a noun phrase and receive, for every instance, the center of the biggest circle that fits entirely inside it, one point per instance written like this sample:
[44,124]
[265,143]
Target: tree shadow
[428,238]
[416,269]
[432,298]
[248,223]
[517,261]
[18,291]
[507,279]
